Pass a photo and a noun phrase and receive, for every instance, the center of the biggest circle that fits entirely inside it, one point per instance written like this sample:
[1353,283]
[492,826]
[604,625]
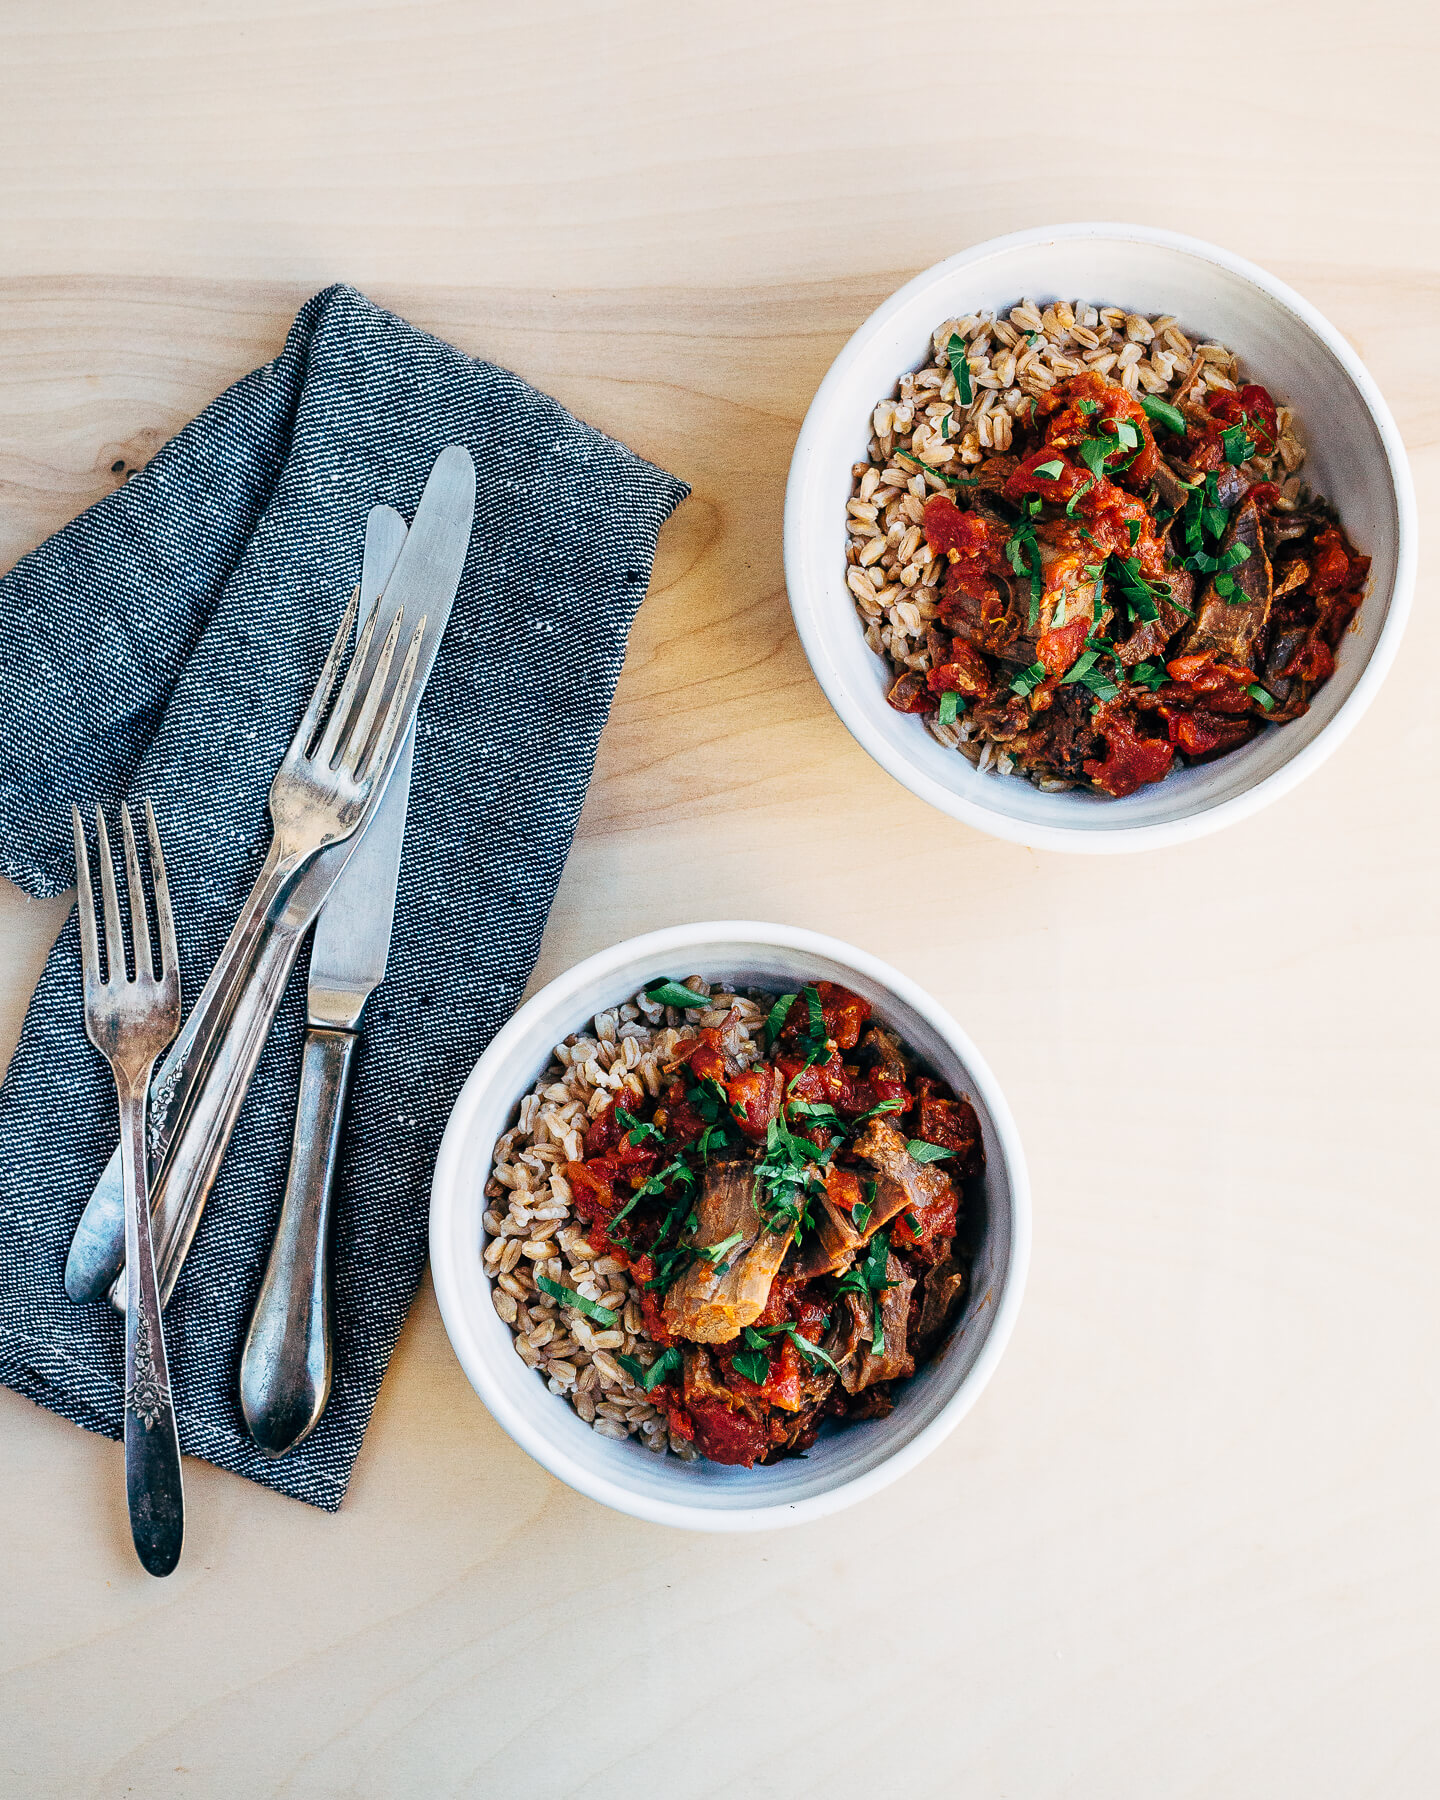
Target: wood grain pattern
[1185,1545]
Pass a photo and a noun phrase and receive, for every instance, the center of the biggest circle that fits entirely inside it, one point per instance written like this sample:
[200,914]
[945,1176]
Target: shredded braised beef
[794,1223]
[1114,604]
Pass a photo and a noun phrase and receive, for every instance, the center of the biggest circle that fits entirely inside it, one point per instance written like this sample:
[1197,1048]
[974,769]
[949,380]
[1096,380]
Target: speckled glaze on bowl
[1355,458]
[847,1463]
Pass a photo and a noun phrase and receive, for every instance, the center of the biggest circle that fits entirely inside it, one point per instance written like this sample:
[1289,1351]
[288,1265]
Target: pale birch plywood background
[1186,1544]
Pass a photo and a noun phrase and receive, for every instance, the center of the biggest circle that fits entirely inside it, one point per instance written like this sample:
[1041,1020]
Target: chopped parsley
[1161,412]
[1085,671]
[1049,471]
[1028,680]
[1259,695]
[671,993]
[1093,453]
[557,1290]
[668,1361]
[927,1153]
[754,1365]
[759,1337]
[939,474]
[1141,596]
[951,704]
[1023,551]
[1203,525]
[638,1129]
[867,1279]
[959,367]
[778,1014]
[1150,674]
[1238,445]
[714,1253]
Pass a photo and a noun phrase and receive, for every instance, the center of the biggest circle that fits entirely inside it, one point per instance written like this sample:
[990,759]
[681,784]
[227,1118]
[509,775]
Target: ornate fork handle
[153,1482]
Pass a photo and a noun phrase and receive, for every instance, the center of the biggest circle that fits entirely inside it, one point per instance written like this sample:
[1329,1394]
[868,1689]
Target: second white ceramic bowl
[1355,458]
[848,1462]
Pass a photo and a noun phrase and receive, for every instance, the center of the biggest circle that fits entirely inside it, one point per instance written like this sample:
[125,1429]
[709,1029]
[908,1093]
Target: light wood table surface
[1186,1544]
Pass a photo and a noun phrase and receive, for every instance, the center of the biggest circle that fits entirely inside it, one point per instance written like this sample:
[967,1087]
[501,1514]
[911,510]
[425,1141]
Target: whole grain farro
[531,1232]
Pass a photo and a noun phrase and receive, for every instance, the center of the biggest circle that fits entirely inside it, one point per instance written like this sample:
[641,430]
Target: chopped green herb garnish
[1088,407]
[754,1365]
[959,367]
[868,1280]
[1141,596]
[778,1013]
[638,1129]
[671,993]
[1238,445]
[927,1153]
[557,1290]
[1023,551]
[1133,527]
[1150,674]
[950,705]
[1087,674]
[1258,694]
[939,474]
[1049,471]
[713,1253]
[1161,412]
[1093,453]
[1028,680]
[649,1379]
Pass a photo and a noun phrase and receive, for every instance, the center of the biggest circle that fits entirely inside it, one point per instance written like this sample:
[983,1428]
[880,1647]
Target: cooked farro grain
[924,431]
[532,1235]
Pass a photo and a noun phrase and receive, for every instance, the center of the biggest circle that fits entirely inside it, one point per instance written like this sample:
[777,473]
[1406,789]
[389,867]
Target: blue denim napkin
[163,644]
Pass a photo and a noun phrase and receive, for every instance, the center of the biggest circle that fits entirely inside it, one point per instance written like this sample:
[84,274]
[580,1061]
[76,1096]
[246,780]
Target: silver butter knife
[201,1085]
[288,1361]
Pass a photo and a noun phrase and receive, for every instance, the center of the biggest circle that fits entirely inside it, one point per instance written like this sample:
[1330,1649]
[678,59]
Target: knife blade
[202,1083]
[288,1360]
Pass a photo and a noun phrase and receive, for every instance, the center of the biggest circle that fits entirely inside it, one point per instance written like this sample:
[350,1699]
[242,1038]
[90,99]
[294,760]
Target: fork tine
[139,920]
[381,753]
[315,711]
[359,735]
[85,903]
[114,930]
[345,704]
[164,918]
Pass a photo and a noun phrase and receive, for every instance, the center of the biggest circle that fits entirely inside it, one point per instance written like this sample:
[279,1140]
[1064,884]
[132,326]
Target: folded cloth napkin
[163,644]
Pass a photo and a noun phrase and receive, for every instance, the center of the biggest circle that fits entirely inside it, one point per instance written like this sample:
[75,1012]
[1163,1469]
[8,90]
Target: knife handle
[286,1368]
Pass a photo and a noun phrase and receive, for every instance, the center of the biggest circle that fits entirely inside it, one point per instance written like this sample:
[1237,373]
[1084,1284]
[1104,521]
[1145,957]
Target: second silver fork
[130,1020]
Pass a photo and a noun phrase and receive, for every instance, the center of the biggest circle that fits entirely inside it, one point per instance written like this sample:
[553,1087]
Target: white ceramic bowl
[1355,458]
[848,1462]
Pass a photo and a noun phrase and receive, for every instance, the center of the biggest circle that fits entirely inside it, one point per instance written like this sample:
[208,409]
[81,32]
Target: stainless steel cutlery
[286,1368]
[130,1019]
[325,793]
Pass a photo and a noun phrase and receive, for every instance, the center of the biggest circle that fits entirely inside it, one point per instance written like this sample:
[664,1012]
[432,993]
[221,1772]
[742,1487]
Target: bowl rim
[447,1191]
[810,615]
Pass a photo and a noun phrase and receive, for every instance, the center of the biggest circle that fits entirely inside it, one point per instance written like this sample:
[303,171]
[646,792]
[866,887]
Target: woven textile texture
[163,644]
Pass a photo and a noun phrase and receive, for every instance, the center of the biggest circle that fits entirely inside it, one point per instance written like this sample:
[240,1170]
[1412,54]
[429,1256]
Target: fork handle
[153,1484]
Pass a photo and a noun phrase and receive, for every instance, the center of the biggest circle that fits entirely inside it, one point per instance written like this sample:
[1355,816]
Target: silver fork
[323,791]
[130,1021]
